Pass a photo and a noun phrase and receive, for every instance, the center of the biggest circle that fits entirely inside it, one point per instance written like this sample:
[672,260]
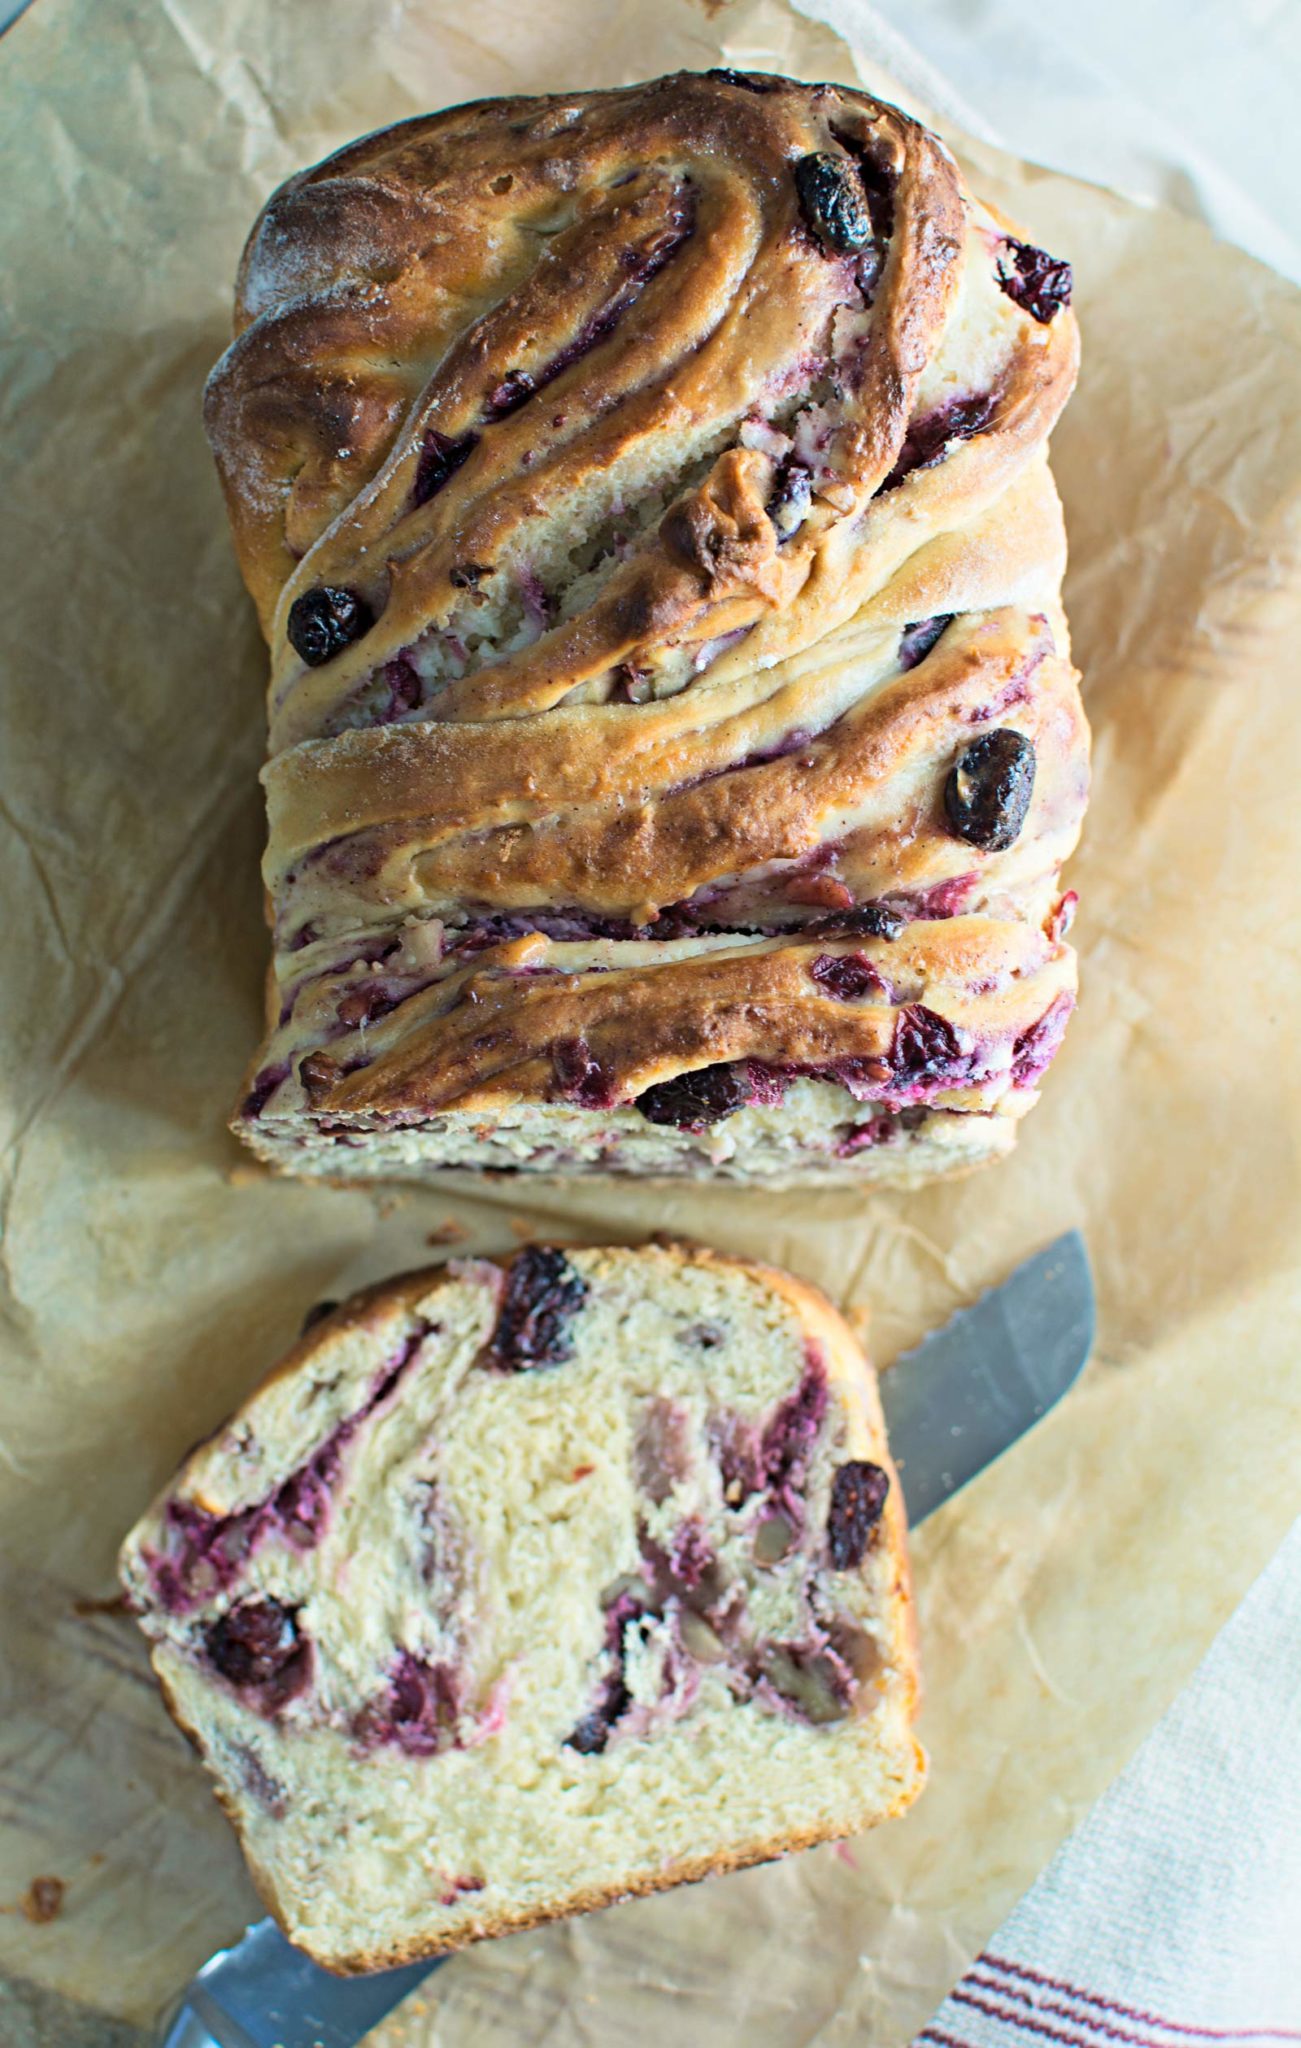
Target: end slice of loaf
[518,1589]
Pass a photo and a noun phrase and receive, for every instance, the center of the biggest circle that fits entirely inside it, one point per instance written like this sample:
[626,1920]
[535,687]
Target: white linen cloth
[1172,1918]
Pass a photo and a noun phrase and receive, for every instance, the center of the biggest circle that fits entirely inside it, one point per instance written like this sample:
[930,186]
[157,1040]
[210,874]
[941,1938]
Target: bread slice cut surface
[521,1588]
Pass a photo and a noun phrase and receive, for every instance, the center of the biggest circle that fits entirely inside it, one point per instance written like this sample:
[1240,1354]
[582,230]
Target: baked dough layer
[688,539]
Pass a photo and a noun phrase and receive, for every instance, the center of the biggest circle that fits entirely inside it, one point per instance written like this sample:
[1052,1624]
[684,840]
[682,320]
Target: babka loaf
[518,1590]
[674,741]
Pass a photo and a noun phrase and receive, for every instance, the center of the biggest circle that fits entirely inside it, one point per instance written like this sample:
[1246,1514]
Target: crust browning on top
[641,471]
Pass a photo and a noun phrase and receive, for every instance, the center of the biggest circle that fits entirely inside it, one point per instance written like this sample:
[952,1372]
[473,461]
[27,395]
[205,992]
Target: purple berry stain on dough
[543,1294]
[205,1554]
[264,1087]
[1034,1051]
[417,1713]
[790,1436]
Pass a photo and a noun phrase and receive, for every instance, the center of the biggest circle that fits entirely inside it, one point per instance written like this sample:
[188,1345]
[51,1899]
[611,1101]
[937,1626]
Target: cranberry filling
[879,1130]
[322,622]
[788,507]
[515,390]
[878,181]
[365,1003]
[987,791]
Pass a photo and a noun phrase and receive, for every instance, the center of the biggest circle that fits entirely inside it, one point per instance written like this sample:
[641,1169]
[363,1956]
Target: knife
[963,1397]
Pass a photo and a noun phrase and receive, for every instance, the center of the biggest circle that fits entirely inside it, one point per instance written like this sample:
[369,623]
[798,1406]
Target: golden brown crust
[641,474]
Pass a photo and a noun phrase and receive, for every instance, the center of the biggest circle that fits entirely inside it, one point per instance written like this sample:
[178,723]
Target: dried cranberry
[916,641]
[264,1087]
[593,1731]
[402,680]
[515,389]
[255,1644]
[364,1005]
[317,1313]
[878,920]
[580,1076]
[833,201]
[419,1714]
[1039,283]
[988,790]
[694,1101]
[440,458]
[318,1074]
[543,1295]
[322,622]
[926,1046]
[745,81]
[857,1499]
[879,1130]
[927,439]
[788,507]
[848,977]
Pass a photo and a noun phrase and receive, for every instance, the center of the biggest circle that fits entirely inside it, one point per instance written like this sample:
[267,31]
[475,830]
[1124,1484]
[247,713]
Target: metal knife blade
[263,1993]
[954,1404]
[970,1389]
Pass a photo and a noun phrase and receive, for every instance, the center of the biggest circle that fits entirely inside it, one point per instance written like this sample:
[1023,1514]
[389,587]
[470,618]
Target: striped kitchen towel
[1172,1918]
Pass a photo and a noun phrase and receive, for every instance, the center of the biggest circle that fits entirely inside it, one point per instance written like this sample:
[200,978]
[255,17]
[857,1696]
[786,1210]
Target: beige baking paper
[150,1275]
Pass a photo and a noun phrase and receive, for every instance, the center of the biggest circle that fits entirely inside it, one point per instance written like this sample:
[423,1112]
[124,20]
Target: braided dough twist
[674,743]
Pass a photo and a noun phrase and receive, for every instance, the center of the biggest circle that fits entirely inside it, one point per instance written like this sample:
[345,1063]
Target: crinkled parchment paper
[149,1275]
